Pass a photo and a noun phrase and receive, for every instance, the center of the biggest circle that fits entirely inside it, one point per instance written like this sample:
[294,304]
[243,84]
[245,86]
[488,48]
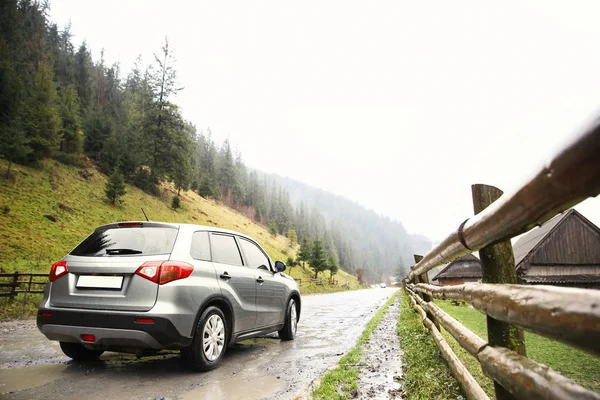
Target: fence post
[498,266]
[13,289]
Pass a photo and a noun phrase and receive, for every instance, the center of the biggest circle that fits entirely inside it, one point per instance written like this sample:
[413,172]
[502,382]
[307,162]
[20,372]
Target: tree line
[56,101]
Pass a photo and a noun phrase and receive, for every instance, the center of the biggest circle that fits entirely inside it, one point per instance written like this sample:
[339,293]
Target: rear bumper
[112,330]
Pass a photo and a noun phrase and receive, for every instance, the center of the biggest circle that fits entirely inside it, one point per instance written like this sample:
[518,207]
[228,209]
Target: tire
[210,341]
[288,332]
[79,353]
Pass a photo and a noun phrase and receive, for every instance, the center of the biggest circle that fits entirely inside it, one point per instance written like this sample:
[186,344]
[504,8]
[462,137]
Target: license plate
[100,282]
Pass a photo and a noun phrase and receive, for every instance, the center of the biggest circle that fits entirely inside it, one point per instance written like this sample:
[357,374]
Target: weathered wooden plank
[569,315]
[527,379]
[571,177]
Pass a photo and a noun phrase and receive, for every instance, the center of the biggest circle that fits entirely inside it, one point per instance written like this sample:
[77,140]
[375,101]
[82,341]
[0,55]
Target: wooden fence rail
[569,315]
[17,283]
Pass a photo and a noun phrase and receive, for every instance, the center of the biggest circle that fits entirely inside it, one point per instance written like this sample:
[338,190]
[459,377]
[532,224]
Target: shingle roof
[467,266]
[562,279]
[527,242]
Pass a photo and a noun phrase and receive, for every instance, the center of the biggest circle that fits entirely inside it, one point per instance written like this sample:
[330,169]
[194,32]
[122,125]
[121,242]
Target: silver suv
[139,287]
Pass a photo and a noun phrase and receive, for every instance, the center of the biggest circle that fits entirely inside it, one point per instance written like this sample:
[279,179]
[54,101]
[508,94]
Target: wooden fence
[569,315]
[315,281]
[12,284]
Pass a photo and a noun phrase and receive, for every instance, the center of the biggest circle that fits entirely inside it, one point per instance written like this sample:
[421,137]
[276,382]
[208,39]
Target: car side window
[255,257]
[200,249]
[224,249]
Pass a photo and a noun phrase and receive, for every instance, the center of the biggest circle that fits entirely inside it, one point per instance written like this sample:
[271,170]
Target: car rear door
[270,290]
[238,283]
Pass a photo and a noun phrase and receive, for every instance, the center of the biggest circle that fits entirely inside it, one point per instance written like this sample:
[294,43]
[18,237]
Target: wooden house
[462,270]
[564,251]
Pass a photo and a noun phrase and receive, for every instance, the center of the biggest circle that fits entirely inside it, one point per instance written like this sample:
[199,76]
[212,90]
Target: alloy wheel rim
[213,337]
[293,317]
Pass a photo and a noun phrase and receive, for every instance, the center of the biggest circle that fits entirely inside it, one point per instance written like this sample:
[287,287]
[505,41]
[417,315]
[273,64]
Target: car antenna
[144,214]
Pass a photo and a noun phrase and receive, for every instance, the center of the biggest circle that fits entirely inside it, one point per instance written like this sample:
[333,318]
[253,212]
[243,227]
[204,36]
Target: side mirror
[280,266]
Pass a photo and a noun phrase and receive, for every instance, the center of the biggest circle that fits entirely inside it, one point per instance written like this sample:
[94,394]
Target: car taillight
[58,269]
[173,270]
[162,272]
[150,270]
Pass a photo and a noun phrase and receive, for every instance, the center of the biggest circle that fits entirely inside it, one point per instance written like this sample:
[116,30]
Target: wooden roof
[528,243]
[467,266]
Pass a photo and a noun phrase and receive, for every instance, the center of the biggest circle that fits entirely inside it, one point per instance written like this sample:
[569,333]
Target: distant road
[31,367]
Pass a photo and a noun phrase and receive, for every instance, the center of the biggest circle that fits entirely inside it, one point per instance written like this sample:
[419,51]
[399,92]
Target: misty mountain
[380,245]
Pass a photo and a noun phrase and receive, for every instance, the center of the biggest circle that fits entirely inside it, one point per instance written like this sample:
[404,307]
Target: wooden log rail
[462,374]
[523,377]
[569,315]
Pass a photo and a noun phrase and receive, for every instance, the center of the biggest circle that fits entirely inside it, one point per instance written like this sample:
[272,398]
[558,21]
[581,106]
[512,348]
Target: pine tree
[273,227]
[164,116]
[98,129]
[305,251]
[71,131]
[115,187]
[180,166]
[333,267]
[226,172]
[42,121]
[83,67]
[318,259]
[292,237]
[206,189]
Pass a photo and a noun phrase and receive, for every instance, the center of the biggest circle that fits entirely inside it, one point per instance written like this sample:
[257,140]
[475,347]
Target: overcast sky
[398,105]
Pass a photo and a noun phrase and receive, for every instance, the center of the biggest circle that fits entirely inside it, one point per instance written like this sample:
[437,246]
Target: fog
[400,106]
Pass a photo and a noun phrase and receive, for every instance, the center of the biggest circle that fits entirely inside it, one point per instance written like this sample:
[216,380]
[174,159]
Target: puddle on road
[15,379]
[237,388]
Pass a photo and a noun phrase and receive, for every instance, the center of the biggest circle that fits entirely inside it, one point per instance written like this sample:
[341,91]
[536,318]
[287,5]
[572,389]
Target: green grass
[30,242]
[342,381]
[574,364]
[426,374]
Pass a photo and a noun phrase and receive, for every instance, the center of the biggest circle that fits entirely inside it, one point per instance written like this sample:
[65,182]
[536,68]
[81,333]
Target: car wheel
[288,332]
[79,353]
[209,343]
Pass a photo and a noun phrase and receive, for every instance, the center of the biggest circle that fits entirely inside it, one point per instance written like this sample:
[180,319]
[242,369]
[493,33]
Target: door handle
[260,280]
[225,276]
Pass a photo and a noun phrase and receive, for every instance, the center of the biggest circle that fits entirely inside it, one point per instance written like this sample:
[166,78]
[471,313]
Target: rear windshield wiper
[123,251]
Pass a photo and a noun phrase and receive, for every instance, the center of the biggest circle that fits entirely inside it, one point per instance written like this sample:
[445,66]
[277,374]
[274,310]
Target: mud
[381,365]
[33,367]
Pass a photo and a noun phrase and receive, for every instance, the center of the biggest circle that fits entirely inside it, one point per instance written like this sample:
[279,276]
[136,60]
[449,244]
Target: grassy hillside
[30,241]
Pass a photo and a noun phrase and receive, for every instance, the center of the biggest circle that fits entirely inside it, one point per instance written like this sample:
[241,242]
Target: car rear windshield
[129,241]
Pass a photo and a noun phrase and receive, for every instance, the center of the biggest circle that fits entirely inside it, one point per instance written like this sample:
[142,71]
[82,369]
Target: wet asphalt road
[31,367]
